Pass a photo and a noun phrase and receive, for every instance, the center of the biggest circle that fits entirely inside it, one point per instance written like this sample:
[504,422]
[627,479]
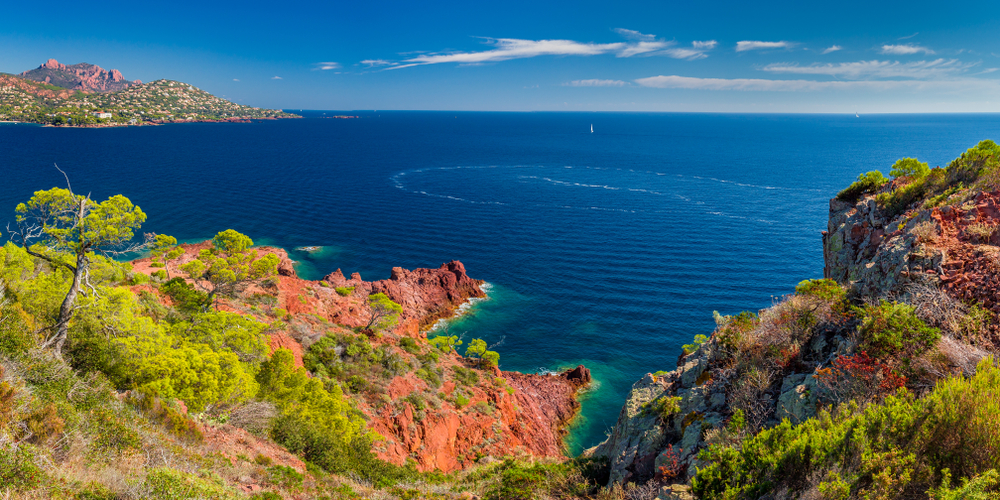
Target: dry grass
[926,232]
[980,232]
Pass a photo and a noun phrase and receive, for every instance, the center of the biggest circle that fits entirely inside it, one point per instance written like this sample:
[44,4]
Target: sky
[584,55]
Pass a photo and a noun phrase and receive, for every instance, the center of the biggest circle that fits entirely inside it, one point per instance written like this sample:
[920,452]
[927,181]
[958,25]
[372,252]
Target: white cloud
[877,69]
[757,45]
[596,83]
[236,79]
[639,44]
[763,85]
[905,49]
[276,77]
[513,48]
[376,62]
[634,35]
[832,48]
[326,66]
[910,36]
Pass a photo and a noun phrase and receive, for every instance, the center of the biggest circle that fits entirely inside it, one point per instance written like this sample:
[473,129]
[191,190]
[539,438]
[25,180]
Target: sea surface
[609,249]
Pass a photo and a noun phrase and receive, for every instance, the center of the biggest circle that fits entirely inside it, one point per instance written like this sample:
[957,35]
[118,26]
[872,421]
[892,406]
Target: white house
[102,114]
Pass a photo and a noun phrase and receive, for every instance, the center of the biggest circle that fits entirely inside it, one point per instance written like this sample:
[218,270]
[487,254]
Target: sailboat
[591,128]
[856,115]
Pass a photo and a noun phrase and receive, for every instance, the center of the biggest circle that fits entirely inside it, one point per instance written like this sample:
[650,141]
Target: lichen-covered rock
[638,437]
[798,400]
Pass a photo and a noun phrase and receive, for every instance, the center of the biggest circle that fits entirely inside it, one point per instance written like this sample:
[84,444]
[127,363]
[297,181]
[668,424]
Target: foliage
[230,265]
[164,249]
[185,297]
[892,330]
[171,484]
[734,328]
[17,470]
[667,406]
[446,343]
[384,313]
[409,345]
[65,230]
[909,167]
[867,183]
[825,289]
[898,448]
[693,346]
[344,291]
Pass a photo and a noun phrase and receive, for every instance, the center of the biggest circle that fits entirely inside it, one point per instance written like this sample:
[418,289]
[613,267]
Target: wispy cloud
[504,49]
[758,45]
[877,69]
[276,77]
[323,66]
[905,49]
[832,48]
[634,35]
[596,83]
[236,79]
[764,85]
[909,36]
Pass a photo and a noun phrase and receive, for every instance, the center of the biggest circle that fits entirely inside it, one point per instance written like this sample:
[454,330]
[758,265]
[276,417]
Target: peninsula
[87,95]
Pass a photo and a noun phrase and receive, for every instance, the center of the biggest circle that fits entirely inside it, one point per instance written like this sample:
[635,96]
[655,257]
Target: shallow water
[609,249]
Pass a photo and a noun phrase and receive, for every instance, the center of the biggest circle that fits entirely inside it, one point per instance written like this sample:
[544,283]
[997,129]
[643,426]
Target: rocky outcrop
[84,77]
[443,424]
[426,295]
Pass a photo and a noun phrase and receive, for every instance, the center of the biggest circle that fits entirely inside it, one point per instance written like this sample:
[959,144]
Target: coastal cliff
[437,409]
[909,301]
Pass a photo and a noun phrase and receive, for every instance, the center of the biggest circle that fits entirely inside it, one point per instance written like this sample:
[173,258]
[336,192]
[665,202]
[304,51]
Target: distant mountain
[82,76]
[161,101]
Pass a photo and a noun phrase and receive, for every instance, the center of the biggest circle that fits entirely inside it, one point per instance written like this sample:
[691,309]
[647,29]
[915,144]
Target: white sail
[591,128]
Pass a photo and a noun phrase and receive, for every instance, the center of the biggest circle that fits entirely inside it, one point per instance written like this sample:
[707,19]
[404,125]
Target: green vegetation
[905,446]
[384,312]
[161,100]
[977,168]
[230,265]
[344,291]
[867,183]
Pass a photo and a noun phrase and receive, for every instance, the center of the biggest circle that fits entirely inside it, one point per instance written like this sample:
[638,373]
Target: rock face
[82,76]
[504,413]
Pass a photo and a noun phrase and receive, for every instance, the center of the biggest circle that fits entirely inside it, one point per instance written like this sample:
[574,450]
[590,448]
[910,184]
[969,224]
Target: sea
[609,248]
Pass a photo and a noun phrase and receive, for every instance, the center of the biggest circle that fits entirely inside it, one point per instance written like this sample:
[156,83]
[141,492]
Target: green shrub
[693,346]
[731,334]
[465,376]
[170,484]
[186,298]
[527,481]
[409,345]
[112,432]
[667,407]
[909,167]
[461,401]
[285,477]
[825,289]
[344,291]
[18,471]
[161,274]
[903,444]
[892,330]
[867,183]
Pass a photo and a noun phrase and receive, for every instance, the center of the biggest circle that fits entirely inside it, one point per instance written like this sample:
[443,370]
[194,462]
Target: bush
[693,346]
[521,481]
[909,167]
[897,449]
[825,289]
[667,407]
[186,298]
[344,291]
[867,183]
[409,345]
[170,484]
[892,330]
[18,471]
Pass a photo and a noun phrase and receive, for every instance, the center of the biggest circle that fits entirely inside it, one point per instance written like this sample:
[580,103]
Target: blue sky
[530,55]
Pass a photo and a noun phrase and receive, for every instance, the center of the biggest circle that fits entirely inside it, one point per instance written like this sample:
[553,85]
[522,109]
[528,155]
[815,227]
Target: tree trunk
[68,303]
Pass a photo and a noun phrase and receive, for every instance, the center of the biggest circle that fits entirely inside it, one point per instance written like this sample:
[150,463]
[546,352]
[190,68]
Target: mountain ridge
[81,76]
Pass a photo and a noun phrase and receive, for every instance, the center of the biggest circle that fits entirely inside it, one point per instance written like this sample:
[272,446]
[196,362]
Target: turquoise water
[610,249]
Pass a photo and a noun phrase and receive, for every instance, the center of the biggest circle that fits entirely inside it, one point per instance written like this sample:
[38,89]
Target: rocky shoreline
[501,414]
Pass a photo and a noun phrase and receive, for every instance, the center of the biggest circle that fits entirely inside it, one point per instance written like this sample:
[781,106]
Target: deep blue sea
[610,248]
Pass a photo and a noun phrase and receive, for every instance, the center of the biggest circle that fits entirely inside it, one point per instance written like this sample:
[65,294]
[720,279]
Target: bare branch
[68,186]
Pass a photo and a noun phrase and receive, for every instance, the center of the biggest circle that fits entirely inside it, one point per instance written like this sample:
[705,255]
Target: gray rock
[797,401]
